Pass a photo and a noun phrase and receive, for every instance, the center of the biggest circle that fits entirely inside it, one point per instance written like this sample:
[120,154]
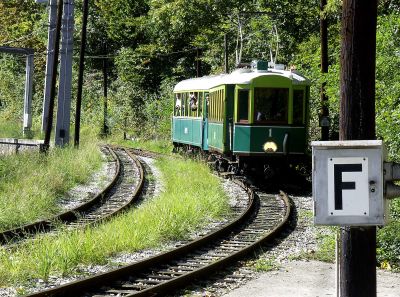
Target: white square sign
[348,183]
[348,194]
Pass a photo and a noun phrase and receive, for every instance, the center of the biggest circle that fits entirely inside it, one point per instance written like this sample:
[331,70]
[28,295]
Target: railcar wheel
[268,171]
[222,165]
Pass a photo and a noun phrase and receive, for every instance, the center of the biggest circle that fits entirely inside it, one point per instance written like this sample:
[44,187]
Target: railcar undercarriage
[267,167]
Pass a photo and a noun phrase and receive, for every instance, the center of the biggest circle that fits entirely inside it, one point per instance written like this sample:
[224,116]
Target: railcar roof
[239,76]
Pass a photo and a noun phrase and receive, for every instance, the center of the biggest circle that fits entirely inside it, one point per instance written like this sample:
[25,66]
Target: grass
[265,264]
[160,146]
[12,129]
[191,197]
[31,183]
[325,250]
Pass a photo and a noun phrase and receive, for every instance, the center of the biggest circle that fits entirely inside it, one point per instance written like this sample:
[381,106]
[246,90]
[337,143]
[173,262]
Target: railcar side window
[298,107]
[216,106]
[243,106]
[271,105]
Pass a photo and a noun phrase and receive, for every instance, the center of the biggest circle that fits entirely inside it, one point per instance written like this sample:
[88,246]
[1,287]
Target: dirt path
[308,279]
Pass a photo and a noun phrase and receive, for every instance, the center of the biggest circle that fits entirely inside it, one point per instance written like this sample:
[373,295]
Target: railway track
[257,223]
[124,188]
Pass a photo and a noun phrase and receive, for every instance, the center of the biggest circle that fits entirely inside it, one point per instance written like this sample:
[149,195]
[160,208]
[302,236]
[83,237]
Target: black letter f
[340,185]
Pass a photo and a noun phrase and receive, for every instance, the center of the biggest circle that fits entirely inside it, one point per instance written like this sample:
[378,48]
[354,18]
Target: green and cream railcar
[250,114]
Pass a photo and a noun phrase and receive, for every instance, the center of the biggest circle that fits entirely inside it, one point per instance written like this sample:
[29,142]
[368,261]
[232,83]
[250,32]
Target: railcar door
[205,121]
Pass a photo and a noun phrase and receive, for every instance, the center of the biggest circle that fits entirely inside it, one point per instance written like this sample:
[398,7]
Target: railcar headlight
[270,147]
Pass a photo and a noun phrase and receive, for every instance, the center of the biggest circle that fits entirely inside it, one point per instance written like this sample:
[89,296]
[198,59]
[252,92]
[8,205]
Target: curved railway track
[124,188]
[258,223]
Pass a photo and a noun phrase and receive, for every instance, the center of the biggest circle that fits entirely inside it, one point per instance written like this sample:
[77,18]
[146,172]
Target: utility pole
[49,61]
[49,115]
[324,113]
[80,76]
[357,256]
[226,53]
[65,85]
[105,86]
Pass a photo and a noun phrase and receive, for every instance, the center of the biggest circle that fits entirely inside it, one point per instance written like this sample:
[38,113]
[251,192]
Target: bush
[388,250]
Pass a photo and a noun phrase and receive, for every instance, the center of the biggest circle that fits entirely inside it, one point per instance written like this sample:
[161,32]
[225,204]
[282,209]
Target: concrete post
[28,52]
[65,86]
[28,94]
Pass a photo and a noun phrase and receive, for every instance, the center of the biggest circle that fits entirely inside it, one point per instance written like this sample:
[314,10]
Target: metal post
[324,69]
[357,263]
[49,61]
[49,115]
[65,85]
[28,95]
[81,69]
[226,53]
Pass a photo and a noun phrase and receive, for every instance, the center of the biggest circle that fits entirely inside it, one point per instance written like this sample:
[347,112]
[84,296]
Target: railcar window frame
[298,118]
[216,105]
[241,119]
[270,114]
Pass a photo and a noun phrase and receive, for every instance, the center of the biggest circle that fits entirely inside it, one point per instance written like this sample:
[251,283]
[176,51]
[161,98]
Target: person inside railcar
[178,105]
[193,102]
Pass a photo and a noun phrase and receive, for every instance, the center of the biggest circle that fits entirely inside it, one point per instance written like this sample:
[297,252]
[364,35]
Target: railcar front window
[271,105]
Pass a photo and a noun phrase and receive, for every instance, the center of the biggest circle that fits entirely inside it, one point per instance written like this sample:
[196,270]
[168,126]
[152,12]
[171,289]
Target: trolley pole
[324,113]
[357,255]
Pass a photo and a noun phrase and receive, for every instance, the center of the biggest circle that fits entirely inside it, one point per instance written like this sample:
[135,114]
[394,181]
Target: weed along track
[124,188]
[254,223]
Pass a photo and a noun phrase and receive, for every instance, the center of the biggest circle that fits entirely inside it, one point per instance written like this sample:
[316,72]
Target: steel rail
[70,215]
[109,208]
[77,288]
[184,279]
[137,191]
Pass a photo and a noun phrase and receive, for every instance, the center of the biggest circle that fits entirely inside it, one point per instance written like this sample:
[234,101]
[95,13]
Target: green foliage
[388,251]
[12,79]
[122,18]
[387,82]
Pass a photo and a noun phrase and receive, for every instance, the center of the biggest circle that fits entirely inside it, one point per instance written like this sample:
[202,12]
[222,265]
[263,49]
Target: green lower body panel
[251,139]
[187,130]
[216,136]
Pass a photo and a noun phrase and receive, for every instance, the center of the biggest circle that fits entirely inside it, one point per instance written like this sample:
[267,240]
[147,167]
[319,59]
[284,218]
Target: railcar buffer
[352,182]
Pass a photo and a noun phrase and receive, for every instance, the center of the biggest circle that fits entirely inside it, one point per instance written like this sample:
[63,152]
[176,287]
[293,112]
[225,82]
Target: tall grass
[31,183]
[191,197]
